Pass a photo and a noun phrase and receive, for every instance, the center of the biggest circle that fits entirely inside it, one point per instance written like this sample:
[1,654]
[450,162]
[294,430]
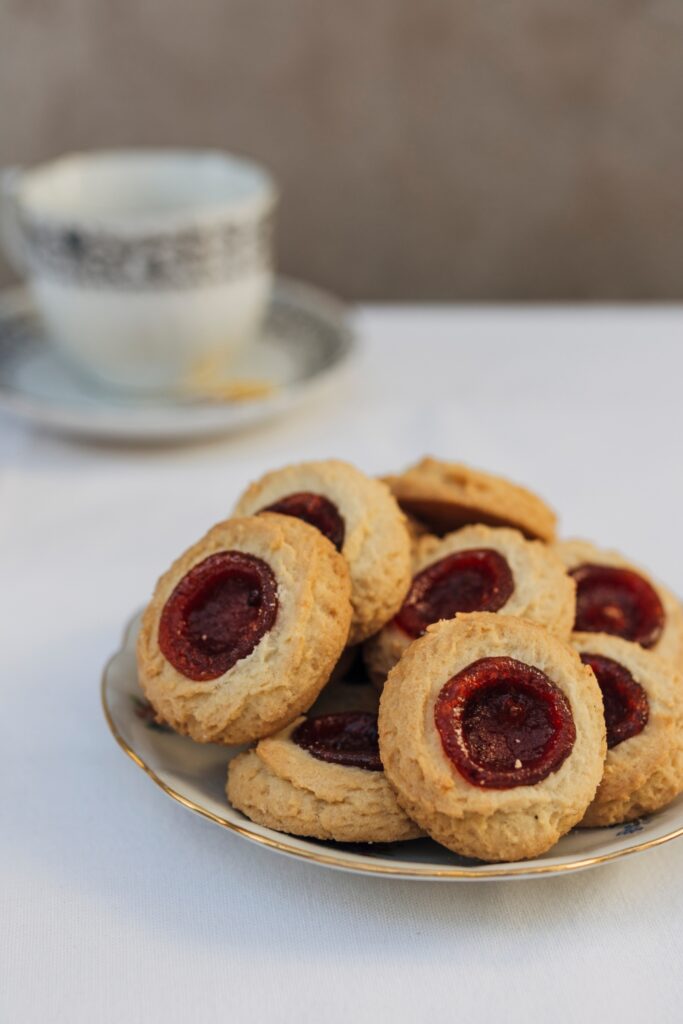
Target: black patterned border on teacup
[188,258]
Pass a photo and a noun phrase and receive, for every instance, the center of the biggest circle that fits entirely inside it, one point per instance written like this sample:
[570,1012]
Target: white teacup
[148,266]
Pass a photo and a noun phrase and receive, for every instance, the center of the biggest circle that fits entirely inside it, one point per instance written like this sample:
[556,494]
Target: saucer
[305,339]
[194,775]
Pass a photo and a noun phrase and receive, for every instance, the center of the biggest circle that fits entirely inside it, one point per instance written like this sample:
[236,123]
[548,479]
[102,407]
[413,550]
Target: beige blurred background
[514,149]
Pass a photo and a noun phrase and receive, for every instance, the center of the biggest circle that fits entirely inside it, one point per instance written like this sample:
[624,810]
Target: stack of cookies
[419,655]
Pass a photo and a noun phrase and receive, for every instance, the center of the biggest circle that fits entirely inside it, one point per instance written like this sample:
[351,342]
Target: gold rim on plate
[370,868]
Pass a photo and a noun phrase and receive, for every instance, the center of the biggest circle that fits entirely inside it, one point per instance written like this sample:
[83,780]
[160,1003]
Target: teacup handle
[10,230]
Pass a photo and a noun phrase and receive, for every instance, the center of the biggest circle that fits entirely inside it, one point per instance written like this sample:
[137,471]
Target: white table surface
[119,905]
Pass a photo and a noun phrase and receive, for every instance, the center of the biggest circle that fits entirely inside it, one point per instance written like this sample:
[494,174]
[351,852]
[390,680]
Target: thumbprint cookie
[491,731]
[616,597]
[244,629]
[447,495]
[320,777]
[477,568]
[643,702]
[359,516]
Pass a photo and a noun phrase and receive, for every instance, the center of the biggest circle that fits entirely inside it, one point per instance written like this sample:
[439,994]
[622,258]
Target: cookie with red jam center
[244,629]
[504,723]
[470,580]
[627,708]
[643,708]
[492,733]
[448,495]
[321,776]
[344,737]
[217,614]
[359,517]
[316,510]
[617,601]
[614,596]
[478,568]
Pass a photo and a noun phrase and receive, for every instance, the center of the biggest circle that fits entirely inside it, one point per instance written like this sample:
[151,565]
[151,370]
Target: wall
[513,149]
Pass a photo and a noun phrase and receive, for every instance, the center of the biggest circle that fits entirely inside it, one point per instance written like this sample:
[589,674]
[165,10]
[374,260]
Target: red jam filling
[348,737]
[625,701]
[476,580]
[617,601]
[217,614]
[503,723]
[314,509]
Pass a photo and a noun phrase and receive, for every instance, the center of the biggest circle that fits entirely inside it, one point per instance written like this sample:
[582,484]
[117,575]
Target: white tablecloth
[119,905]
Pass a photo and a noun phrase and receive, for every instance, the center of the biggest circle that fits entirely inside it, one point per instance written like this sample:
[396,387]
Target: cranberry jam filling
[348,737]
[617,601]
[477,580]
[626,705]
[314,509]
[503,723]
[217,614]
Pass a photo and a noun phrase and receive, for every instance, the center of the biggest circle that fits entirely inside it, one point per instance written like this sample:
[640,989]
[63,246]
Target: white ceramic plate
[305,339]
[194,775]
